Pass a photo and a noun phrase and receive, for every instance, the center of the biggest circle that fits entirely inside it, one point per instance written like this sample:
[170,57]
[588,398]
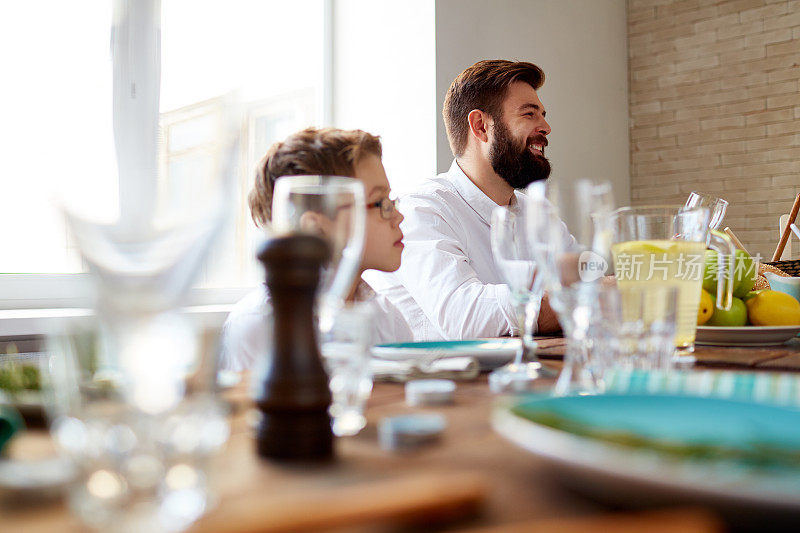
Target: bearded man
[448,286]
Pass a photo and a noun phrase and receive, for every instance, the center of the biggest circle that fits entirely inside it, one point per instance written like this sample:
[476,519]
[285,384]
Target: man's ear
[479,124]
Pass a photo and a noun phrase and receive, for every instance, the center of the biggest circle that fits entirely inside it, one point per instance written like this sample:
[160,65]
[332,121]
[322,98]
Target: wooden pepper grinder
[294,396]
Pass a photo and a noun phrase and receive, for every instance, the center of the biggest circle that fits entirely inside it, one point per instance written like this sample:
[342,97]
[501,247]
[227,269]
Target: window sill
[34,322]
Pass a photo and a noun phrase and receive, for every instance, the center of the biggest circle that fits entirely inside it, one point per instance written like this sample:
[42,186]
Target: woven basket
[791,267]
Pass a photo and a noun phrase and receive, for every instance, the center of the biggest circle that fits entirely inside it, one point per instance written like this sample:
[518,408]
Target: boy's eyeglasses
[387,207]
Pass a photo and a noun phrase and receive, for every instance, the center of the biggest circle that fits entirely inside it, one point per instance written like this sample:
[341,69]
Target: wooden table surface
[472,479]
[785,357]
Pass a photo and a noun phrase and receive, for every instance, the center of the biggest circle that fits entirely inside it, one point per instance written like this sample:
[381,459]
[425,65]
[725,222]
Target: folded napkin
[445,368]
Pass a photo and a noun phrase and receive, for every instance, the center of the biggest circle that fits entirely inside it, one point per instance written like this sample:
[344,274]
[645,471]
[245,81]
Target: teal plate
[651,449]
[489,352]
[688,425]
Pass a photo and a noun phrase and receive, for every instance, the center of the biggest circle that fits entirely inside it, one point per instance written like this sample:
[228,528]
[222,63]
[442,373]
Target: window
[56,107]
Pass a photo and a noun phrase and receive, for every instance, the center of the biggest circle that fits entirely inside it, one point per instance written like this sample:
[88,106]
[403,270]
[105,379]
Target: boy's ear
[479,124]
[311,222]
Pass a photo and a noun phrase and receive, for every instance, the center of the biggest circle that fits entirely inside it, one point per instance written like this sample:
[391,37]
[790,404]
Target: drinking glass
[334,209]
[664,246]
[137,413]
[141,436]
[574,264]
[346,355]
[514,258]
[634,329]
[716,206]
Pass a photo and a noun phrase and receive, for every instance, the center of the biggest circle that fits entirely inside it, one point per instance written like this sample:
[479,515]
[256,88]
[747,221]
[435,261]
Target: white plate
[746,335]
[636,477]
[490,353]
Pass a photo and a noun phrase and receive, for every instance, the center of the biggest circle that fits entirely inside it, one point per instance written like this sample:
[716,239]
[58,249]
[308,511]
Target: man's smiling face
[519,138]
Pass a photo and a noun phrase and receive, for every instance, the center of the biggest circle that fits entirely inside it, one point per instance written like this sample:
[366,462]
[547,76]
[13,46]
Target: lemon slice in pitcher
[648,247]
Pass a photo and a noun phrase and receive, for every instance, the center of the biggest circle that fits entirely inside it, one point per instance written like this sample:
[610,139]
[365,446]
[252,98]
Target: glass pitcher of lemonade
[665,246]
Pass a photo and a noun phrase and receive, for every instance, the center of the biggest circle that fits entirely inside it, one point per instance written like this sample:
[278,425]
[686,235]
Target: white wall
[393,62]
[384,81]
[582,47]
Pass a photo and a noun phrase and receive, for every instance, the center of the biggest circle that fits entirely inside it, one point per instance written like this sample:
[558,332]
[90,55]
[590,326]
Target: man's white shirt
[448,285]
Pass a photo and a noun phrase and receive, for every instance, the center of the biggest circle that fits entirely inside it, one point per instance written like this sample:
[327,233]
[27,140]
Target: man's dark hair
[483,86]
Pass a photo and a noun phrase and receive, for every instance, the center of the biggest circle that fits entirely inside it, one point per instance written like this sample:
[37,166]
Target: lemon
[773,308]
[706,308]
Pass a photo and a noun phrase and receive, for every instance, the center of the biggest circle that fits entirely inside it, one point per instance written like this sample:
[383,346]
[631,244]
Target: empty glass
[334,209]
[139,417]
[716,207]
[140,436]
[514,257]
[346,354]
[136,410]
[633,329]
[574,264]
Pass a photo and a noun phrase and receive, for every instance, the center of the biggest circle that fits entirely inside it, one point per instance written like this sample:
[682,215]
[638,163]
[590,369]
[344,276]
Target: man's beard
[519,167]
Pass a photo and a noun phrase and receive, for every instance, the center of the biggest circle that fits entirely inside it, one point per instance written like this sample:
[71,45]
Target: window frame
[30,291]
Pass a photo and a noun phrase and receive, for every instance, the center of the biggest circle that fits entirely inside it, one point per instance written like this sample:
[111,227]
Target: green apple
[745,273]
[735,316]
[710,272]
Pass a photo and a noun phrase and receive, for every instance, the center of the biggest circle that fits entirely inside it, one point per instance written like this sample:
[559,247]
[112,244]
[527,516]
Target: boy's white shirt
[246,333]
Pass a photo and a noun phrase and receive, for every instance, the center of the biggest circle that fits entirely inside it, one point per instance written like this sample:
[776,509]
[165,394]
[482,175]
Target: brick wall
[715,107]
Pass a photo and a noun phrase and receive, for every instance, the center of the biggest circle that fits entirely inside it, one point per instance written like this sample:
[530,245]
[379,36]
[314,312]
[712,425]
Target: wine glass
[716,206]
[574,263]
[514,258]
[334,209]
[136,410]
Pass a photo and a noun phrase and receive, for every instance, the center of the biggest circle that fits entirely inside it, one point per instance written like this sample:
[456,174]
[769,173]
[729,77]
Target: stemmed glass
[134,406]
[716,206]
[334,209]
[514,257]
[574,264]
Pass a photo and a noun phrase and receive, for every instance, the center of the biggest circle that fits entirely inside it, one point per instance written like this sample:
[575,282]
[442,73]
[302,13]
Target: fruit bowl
[745,335]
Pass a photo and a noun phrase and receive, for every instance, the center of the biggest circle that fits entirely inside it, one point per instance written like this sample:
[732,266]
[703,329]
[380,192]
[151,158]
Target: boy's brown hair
[325,151]
[483,86]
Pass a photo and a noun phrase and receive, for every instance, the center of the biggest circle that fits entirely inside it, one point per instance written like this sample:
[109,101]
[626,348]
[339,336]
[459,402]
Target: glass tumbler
[633,328]
[346,352]
[140,435]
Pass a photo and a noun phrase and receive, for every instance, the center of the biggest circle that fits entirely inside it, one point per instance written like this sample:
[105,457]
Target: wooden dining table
[781,358]
[470,479]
